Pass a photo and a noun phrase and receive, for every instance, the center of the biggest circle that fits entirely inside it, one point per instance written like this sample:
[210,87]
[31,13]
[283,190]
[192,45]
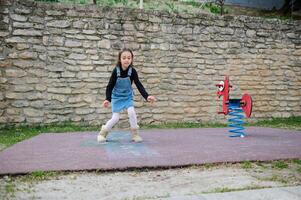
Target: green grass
[40,176]
[12,135]
[10,188]
[297,161]
[226,189]
[278,178]
[214,8]
[246,165]
[293,123]
[280,165]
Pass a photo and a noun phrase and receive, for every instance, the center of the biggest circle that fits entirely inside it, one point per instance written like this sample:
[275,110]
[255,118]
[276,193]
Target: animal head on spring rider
[224,89]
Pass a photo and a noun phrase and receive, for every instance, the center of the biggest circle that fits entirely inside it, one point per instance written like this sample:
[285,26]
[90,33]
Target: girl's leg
[134,124]
[115,118]
[106,128]
[132,118]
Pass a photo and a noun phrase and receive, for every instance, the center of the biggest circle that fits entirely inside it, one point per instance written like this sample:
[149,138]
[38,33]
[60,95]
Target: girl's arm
[111,85]
[138,84]
[141,89]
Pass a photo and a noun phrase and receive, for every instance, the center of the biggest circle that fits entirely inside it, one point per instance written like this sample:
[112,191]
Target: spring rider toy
[234,107]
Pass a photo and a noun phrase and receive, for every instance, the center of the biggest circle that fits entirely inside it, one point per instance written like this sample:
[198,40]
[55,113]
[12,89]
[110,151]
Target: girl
[120,93]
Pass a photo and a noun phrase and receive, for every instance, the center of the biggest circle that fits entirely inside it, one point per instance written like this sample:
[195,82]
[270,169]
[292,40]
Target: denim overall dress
[122,94]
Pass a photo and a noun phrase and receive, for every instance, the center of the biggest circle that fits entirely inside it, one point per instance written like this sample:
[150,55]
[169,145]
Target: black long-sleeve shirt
[123,74]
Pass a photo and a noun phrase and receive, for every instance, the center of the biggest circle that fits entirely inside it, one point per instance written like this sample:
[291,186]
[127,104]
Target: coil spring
[236,121]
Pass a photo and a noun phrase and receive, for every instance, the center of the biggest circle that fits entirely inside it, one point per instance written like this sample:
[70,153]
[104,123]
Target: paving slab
[160,148]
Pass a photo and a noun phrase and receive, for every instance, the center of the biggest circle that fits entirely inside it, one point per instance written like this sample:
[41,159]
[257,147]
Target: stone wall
[56,60]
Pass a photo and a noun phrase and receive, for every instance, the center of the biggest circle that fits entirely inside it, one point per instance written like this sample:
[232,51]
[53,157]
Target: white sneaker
[102,134]
[137,138]
[101,138]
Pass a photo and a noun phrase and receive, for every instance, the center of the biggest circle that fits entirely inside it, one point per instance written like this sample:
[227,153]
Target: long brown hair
[119,56]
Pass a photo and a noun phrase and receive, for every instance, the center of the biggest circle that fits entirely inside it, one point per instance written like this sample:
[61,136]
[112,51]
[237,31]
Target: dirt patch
[152,184]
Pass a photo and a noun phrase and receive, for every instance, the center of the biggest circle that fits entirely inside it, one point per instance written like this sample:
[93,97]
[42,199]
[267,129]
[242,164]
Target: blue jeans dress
[122,94]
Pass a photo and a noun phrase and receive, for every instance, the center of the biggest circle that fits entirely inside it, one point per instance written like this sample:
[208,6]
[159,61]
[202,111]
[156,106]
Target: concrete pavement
[281,193]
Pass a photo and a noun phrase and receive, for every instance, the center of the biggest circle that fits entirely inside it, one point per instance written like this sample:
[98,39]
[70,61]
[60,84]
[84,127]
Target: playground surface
[161,148]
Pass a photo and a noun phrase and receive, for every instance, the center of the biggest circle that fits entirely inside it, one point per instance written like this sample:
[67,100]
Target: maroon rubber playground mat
[160,148]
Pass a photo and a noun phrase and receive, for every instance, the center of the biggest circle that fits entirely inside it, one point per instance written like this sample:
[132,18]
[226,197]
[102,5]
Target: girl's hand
[151,99]
[105,103]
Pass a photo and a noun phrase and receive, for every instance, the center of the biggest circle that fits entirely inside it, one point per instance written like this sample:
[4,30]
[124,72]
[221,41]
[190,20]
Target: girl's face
[126,59]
